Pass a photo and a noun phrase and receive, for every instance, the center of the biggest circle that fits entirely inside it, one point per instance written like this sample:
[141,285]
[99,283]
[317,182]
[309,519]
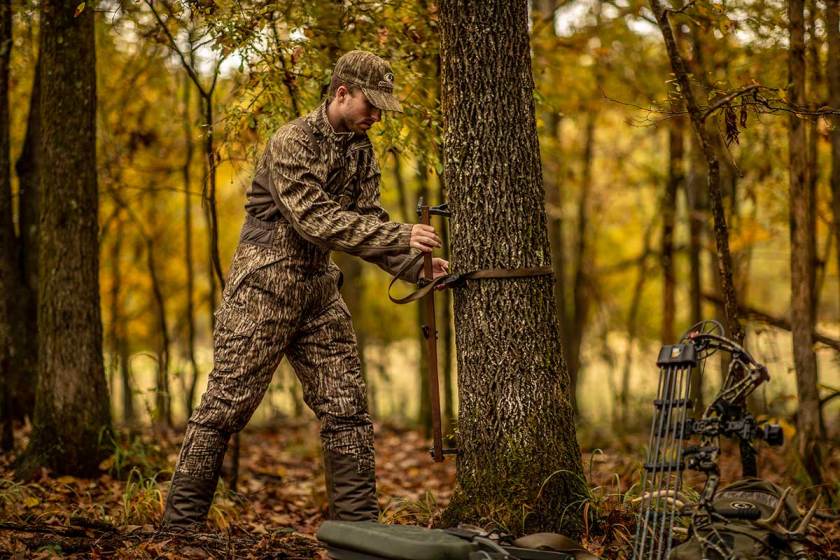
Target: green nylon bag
[368,539]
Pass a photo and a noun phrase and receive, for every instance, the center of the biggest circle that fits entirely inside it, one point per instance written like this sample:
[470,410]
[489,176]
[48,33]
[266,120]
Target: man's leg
[251,330]
[326,360]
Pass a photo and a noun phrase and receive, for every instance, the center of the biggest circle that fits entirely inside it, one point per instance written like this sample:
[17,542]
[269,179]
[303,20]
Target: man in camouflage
[316,189]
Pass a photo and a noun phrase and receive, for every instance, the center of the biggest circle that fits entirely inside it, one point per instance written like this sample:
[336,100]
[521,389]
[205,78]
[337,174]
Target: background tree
[518,451]
[72,415]
[802,252]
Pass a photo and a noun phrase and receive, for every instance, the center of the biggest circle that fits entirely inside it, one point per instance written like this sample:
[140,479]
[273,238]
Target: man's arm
[296,186]
[368,205]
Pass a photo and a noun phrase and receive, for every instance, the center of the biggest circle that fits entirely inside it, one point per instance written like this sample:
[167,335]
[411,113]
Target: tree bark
[801,253]
[733,326]
[72,415]
[832,25]
[519,465]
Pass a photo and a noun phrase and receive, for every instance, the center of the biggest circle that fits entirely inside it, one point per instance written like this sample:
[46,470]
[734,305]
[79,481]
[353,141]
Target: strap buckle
[451,281]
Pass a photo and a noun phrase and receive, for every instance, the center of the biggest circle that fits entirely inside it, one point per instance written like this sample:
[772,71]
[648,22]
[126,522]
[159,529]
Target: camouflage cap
[373,75]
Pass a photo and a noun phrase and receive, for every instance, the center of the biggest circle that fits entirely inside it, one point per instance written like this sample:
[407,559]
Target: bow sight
[662,499]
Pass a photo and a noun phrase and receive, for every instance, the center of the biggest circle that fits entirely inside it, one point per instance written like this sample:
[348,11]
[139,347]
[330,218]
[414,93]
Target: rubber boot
[188,502]
[351,491]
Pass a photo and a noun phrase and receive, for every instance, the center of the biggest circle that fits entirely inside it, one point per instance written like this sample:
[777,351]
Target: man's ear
[341,92]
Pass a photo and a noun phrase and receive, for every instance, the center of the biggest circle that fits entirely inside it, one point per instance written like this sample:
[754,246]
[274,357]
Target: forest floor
[281,501]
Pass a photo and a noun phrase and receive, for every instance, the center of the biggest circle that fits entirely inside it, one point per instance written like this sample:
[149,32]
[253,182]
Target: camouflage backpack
[753,519]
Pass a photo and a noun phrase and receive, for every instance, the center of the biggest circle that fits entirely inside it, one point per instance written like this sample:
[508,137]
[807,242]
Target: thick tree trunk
[520,463]
[801,254]
[832,25]
[72,414]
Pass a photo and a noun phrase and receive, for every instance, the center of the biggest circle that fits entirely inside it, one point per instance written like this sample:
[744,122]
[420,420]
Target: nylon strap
[456,280]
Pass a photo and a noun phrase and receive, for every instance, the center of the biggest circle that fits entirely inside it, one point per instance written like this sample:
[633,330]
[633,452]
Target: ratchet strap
[458,280]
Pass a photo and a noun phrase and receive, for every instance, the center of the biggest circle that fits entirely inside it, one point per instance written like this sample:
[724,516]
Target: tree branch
[778,322]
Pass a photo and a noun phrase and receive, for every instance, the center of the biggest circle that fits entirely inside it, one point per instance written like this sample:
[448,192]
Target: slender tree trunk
[832,25]
[186,175]
[119,344]
[812,165]
[676,175]
[733,326]
[210,188]
[9,274]
[519,463]
[26,168]
[801,256]
[72,415]
[163,398]
[581,288]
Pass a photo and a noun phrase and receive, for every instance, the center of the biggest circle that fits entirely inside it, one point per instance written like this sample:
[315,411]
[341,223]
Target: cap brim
[382,100]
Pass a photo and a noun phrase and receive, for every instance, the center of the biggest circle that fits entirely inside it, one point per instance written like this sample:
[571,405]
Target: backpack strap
[304,125]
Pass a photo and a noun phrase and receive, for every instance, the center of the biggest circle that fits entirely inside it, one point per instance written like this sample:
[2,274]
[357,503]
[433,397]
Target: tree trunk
[832,25]
[9,277]
[520,463]
[72,415]
[733,326]
[812,162]
[119,344]
[186,176]
[676,175]
[581,287]
[26,168]
[632,327]
[801,255]
[163,399]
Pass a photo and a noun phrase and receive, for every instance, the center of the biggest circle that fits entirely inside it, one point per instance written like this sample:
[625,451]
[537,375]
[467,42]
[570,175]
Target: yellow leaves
[79,9]
[31,501]
[106,464]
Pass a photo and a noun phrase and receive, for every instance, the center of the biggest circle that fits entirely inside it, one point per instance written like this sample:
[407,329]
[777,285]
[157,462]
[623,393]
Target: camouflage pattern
[314,190]
[373,75]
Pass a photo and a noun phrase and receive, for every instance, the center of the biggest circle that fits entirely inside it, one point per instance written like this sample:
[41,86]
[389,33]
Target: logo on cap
[388,81]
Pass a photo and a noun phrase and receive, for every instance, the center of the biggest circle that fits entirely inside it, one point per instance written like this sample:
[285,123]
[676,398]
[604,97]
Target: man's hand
[423,237]
[440,267]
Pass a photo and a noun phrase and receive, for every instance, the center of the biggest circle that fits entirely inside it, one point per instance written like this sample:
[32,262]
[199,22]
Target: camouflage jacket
[325,185]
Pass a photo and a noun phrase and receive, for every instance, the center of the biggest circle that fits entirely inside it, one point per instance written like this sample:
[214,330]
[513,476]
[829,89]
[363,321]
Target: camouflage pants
[281,301]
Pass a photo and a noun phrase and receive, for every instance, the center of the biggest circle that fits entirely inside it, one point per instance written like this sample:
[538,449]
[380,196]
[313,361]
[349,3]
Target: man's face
[357,113]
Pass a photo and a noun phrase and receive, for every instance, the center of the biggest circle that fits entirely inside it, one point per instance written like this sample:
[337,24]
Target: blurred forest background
[188,94]
[220,77]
